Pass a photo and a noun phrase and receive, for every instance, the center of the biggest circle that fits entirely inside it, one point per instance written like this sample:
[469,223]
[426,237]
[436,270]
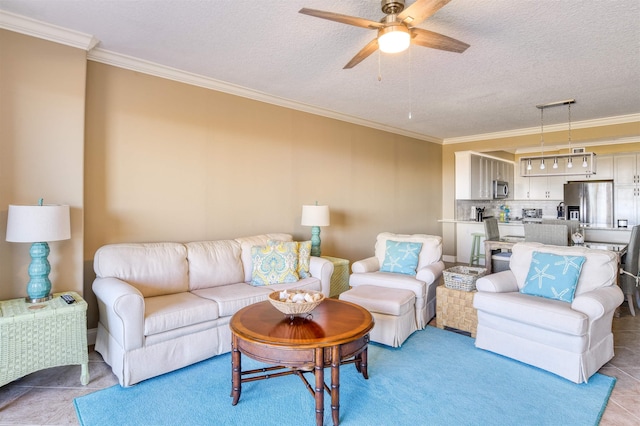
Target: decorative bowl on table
[293,302]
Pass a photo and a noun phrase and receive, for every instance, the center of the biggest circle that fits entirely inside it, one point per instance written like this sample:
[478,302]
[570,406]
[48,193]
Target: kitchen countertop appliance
[591,202]
[531,215]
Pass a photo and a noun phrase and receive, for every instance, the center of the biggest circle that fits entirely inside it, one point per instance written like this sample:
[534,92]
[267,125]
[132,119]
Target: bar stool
[474,260]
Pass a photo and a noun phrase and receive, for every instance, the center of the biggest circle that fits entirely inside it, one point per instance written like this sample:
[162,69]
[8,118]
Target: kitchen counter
[519,223]
[464,229]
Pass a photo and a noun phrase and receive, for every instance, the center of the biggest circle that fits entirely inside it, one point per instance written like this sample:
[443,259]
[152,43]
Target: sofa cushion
[165,313]
[304,259]
[600,267]
[214,263]
[258,240]
[155,269]
[401,257]
[553,276]
[310,283]
[274,263]
[233,297]
[391,280]
[431,246]
[552,315]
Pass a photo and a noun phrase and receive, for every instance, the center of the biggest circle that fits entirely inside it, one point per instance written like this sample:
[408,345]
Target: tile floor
[46,397]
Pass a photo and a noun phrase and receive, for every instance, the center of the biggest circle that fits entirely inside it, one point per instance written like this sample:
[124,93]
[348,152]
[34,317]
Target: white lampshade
[394,39]
[32,224]
[315,215]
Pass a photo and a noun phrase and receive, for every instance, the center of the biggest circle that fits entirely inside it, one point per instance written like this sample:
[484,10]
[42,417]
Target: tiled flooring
[46,397]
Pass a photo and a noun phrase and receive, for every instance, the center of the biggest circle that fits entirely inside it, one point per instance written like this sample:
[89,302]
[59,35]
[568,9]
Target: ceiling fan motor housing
[392,6]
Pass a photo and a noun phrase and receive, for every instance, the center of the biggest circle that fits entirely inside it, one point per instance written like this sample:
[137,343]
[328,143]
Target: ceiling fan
[397,29]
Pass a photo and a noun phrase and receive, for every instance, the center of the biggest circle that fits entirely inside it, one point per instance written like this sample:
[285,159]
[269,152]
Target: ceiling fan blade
[420,10]
[344,19]
[371,47]
[433,40]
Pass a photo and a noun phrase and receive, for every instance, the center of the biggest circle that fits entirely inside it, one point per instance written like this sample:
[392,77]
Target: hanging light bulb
[529,165]
[584,162]
[542,164]
[569,163]
[555,163]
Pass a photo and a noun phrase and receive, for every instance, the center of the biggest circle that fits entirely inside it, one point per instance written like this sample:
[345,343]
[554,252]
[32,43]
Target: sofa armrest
[370,264]
[500,282]
[322,269]
[430,273]
[121,308]
[597,303]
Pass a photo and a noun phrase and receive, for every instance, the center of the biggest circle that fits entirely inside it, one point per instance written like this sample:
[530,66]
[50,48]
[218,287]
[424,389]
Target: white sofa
[164,306]
[423,283]
[572,340]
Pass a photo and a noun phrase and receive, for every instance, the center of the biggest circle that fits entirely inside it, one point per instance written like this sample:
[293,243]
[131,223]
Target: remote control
[68,298]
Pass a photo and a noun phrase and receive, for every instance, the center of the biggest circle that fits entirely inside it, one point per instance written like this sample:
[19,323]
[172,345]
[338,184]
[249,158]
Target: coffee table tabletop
[337,333]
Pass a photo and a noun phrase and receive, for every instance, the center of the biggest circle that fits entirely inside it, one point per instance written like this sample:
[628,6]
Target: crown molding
[593,142]
[151,68]
[45,31]
[42,30]
[585,124]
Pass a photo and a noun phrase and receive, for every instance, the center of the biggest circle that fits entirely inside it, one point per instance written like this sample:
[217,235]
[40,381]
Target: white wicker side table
[42,335]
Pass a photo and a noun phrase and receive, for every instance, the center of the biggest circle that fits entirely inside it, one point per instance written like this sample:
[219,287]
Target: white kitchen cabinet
[475,174]
[626,169]
[626,186]
[540,187]
[604,169]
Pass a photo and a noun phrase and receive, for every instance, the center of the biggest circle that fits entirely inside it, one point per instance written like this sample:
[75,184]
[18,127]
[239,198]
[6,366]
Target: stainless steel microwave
[500,189]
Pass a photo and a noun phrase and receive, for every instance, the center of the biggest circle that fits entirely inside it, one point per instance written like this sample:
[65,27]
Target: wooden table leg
[236,368]
[363,362]
[335,384]
[319,389]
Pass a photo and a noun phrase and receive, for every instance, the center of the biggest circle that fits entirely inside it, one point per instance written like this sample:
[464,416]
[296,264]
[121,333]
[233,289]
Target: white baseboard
[91,336]
[449,259]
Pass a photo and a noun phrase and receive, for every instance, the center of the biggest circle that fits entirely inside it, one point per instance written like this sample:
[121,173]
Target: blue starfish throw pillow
[401,257]
[553,276]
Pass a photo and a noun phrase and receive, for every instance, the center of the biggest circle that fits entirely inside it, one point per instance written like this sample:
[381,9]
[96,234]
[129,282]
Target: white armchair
[571,339]
[423,282]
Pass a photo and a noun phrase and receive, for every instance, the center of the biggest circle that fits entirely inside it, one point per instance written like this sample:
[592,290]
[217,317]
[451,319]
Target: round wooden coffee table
[338,333]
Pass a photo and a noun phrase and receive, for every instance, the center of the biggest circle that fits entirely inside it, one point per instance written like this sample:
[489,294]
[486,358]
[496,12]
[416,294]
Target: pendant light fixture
[559,167]
[541,137]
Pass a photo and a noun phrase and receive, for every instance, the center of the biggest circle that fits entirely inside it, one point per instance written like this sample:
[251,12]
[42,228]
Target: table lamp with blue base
[38,225]
[315,217]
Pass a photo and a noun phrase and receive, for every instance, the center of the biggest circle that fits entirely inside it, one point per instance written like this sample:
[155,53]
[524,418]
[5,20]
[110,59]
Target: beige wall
[42,92]
[167,161]
[492,146]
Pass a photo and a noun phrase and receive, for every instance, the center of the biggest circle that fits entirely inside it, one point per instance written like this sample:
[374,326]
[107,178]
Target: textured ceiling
[523,53]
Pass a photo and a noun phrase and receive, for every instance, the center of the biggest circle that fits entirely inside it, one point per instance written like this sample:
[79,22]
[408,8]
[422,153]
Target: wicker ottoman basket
[462,277]
[454,308]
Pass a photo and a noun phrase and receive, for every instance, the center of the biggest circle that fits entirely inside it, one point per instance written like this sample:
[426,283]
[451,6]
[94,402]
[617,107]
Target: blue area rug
[437,378]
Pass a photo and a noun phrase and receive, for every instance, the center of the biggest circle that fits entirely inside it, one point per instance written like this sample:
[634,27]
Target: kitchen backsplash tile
[492,208]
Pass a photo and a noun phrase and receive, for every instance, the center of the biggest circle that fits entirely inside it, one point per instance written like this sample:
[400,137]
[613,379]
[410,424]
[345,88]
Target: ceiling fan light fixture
[394,38]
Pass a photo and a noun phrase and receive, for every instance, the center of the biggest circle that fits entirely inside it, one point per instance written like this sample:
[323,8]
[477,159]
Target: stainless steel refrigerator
[590,202]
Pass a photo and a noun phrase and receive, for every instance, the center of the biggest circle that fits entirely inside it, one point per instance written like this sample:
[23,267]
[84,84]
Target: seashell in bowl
[292,302]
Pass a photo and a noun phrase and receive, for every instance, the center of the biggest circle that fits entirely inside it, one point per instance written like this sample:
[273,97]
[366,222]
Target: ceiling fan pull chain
[410,85]
[379,67]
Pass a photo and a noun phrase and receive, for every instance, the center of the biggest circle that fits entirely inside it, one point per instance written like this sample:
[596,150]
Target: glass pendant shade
[394,39]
